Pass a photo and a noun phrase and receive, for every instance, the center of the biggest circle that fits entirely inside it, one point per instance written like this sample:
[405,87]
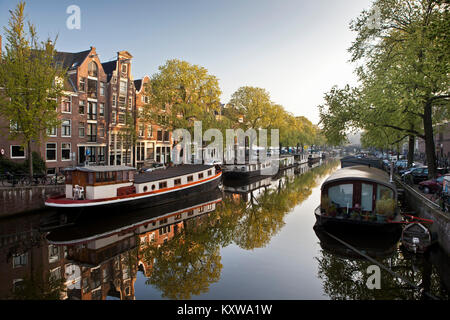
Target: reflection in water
[177,247]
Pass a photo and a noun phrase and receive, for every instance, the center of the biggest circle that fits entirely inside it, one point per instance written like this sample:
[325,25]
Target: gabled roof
[71,60]
[109,67]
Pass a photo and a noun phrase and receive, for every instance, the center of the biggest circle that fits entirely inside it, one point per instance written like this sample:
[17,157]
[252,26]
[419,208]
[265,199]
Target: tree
[411,47]
[31,83]
[181,93]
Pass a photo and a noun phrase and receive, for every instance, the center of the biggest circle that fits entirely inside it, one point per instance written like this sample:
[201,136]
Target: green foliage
[385,206]
[13,167]
[30,80]
[39,287]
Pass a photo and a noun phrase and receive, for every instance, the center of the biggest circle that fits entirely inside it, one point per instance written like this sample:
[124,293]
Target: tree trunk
[429,140]
[30,159]
[411,142]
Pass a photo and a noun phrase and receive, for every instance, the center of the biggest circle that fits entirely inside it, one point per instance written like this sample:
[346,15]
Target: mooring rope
[393,273]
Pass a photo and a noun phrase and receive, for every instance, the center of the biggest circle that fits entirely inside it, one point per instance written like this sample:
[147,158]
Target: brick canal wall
[23,199]
[425,208]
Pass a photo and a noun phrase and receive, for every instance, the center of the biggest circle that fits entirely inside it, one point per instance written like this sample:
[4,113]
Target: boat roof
[100,168]
[363,173]
[170,172]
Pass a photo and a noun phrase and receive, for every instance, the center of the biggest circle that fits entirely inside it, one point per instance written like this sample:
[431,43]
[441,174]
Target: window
[82,107]
[122,103]
[92,69]
[65,151]
[102,89]
[66,105]
[123,87]
[114,117]
[121,118]
[166,136]
[17,284]
[200,176]
[92,111]
[163,185]
[114,101]
[13,126]
[101,154]
[55,274]
[20,260]
[384,193]
[124,68]
[341,195]
[53,253]
[66,130]
[90,152]
[130,103]
[366,197]
[81,130]
[52,132]
[17,152]
[92,132]
[101,130]
[177,182]
[159,135]
[149,131]
[141,130]
[190,178]
[209,172]
[82,85]
[50,151]
[101,109]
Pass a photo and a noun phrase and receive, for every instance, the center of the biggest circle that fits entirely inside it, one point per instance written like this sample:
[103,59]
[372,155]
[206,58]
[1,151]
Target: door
[81,155]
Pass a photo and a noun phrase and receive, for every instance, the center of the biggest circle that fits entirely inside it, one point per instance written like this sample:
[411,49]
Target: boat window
[190,178]
[366,197]
[119,176]
[200,175]
[384,193]
[177,182]
[209,172]
[131,176]
[163,185]
[125,175]
[153,187]
[145,189]
[341,195]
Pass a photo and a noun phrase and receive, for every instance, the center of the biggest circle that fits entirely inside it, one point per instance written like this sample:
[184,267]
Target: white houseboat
[248,170]
[95,186]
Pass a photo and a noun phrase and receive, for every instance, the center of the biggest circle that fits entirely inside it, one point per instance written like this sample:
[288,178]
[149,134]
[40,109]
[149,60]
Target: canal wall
[23,199]
[424,208]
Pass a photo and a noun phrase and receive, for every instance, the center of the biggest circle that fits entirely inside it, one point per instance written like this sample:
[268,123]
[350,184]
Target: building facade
[98,118]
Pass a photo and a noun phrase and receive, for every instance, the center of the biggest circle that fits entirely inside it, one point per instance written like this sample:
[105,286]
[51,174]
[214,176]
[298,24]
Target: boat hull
[142,202]
[355,226]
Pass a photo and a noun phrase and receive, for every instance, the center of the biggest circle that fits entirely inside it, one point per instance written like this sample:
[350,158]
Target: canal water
[252,240]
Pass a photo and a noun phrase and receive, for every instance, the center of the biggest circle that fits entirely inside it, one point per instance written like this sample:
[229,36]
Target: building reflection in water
[176,246]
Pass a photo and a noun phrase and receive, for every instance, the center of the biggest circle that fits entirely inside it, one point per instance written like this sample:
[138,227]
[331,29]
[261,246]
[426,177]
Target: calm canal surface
[245,241]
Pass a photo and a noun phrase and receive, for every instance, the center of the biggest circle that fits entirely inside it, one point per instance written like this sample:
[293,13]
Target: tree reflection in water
[190,261]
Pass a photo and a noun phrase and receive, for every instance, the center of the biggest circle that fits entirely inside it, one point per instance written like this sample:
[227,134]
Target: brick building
[97,112]
[154,143]
[442,143]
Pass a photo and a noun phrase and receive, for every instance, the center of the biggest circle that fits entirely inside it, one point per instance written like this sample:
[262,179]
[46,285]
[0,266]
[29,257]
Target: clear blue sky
[296,49]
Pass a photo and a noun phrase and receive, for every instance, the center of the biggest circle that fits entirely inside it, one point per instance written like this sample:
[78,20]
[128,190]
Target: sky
[295,49]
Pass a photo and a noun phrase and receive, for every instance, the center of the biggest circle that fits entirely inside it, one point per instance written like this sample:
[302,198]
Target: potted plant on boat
[384,208]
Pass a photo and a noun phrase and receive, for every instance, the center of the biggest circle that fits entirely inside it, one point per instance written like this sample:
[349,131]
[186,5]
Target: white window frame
[69,98]
[70,151]
[11,153]
[56,151]
[70,129]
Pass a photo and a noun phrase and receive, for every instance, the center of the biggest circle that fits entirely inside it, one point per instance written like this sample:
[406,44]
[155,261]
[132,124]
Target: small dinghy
[416,238]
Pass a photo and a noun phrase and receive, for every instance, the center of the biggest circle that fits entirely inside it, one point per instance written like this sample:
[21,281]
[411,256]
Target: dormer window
[124,68]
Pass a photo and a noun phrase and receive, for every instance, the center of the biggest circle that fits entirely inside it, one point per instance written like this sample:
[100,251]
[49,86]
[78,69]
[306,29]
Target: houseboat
[249,170]
[95,186]
[314,158]
[301,158]
[359,198]
[351,161]
[286,162]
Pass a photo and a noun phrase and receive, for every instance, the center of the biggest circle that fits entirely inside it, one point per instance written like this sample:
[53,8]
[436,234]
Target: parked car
[432,186]
[416,175]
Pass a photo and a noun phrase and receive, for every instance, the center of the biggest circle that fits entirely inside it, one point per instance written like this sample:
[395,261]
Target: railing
[23,180]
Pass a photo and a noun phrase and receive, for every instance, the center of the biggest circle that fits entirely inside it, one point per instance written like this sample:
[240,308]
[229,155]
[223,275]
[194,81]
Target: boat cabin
[97,182]
[358,187]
